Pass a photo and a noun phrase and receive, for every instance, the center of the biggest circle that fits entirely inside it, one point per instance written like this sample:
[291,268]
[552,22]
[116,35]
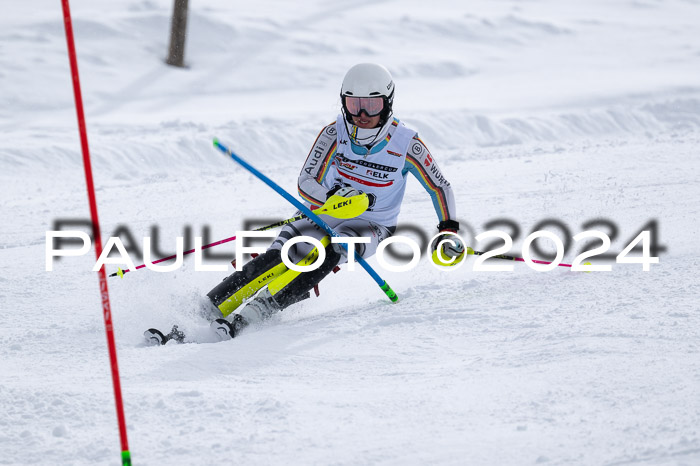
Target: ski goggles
[372,106]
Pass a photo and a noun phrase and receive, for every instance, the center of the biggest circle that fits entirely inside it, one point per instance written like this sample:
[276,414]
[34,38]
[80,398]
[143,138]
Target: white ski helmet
[368,80]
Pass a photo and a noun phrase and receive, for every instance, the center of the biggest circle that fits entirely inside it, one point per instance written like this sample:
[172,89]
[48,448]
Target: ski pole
[470,251]
[310,215]
[335,206]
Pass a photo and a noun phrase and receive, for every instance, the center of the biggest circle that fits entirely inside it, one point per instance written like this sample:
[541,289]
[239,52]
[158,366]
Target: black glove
[344,190]
[453,247]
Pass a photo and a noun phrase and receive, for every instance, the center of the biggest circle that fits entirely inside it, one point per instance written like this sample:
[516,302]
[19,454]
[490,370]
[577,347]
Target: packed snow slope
[576,112]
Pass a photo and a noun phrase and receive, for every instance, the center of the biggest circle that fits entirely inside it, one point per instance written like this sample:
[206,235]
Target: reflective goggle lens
[372,106]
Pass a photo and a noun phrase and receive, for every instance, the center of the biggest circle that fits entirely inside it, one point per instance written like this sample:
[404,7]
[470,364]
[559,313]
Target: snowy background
[534,110]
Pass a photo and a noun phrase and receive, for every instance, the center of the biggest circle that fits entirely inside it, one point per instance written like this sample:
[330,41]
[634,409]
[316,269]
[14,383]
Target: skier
[365,150]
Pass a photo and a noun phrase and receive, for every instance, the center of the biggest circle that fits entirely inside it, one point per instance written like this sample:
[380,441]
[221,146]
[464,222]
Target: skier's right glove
[451,251]
[343,191]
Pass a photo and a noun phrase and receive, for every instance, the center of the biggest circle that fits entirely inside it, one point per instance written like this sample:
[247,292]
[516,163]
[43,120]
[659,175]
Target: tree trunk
[178,32]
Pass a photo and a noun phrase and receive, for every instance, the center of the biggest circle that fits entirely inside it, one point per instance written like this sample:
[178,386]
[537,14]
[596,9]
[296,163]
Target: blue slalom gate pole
[309,213]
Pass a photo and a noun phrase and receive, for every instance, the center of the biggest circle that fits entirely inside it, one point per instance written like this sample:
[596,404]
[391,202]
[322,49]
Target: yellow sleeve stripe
[427,182]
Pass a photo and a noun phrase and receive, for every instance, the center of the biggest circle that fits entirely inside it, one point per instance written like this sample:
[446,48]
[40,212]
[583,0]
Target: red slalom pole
[106,312]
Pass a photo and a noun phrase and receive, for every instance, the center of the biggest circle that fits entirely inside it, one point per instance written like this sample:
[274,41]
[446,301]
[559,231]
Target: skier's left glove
[343,191]
[451,251]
